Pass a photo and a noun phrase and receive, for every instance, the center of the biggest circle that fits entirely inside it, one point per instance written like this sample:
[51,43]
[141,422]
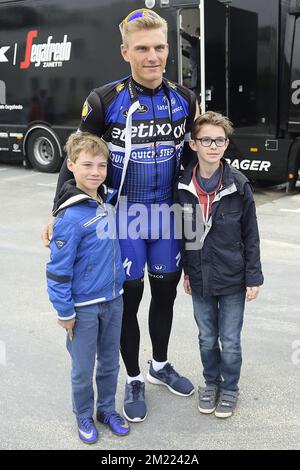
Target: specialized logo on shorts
[86,110]
[127,266]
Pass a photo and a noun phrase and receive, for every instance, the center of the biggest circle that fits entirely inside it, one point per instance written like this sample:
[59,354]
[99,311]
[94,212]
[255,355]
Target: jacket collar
[230,176]
[70,195]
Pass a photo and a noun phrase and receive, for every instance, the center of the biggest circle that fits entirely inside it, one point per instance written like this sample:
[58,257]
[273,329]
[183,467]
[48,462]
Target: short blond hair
[149,20]
[214,119]
[84,141]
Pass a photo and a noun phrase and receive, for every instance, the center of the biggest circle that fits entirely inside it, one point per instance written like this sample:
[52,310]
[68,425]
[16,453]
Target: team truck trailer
[52,53]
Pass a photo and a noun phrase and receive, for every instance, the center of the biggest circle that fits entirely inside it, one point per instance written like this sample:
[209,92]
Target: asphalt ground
[35,404]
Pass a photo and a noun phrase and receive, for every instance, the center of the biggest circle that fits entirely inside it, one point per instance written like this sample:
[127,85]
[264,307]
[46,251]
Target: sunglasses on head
[136,14]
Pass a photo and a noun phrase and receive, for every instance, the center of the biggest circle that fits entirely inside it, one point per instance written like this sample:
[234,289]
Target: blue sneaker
[87,430]
[170,378]
[114,421]
[135,409]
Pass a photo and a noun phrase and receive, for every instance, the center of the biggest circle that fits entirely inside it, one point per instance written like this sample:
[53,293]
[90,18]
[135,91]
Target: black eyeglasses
[207,141]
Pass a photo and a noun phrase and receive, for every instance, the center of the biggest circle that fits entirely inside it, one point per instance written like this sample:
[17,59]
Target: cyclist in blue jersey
[145,120]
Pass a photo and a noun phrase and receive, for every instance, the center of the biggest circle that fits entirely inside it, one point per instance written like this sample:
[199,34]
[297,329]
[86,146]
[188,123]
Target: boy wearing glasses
[146,121]
[221,259]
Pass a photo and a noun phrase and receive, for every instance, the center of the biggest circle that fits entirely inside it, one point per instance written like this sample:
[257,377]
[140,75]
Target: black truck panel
[52,53]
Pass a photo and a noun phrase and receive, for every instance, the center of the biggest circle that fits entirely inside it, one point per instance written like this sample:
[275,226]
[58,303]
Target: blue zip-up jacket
[85,266]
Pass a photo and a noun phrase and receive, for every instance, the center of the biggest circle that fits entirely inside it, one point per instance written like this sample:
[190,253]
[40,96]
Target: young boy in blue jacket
[85,279]
[221,258]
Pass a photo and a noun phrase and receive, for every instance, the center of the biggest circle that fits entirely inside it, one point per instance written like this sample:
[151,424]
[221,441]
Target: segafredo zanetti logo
[47,54]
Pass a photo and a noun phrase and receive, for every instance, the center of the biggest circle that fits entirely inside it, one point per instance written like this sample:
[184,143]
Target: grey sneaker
[135,409]
[227,403]
[208,398]
[170,378]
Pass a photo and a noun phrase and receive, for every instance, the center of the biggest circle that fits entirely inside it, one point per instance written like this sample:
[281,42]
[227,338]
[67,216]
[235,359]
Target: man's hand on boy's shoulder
[252,293]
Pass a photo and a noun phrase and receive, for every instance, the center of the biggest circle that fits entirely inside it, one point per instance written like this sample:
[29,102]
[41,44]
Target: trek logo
[296,94]
[49,54]
[3,51]
[152,129]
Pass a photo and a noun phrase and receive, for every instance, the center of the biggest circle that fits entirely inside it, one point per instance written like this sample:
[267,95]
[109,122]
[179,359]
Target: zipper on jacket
[95,219]
[115,269]
[155,150]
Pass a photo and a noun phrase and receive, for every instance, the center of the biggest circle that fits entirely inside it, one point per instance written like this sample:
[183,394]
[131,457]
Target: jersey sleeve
[92,120]
[93,115]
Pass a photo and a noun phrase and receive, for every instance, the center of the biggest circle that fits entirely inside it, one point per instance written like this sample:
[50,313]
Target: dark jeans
[220,321]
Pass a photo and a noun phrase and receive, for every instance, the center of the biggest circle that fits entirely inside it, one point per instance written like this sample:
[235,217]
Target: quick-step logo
[49,54]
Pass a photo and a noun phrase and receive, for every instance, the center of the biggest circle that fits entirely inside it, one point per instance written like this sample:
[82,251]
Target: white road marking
[280,243]
[2,353]
[47,185]
[20,177]
[295,211]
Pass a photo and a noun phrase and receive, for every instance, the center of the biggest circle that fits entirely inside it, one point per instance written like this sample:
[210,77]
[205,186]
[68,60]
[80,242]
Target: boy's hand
[68,325]
[187,287]
[47,232]
[252,293]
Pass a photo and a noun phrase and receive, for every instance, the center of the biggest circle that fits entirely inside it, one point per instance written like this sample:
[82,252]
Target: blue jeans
[97,331]
[220,320]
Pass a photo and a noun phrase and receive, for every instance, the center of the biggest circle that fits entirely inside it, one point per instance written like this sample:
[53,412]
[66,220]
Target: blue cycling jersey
[158,129]
[145,131]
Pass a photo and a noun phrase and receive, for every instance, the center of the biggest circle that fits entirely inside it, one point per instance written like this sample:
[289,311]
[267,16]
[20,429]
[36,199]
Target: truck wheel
[43,152]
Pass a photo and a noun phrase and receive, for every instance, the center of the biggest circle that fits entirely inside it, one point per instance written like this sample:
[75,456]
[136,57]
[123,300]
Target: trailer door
[216,66]
[210,17]
[294,114]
